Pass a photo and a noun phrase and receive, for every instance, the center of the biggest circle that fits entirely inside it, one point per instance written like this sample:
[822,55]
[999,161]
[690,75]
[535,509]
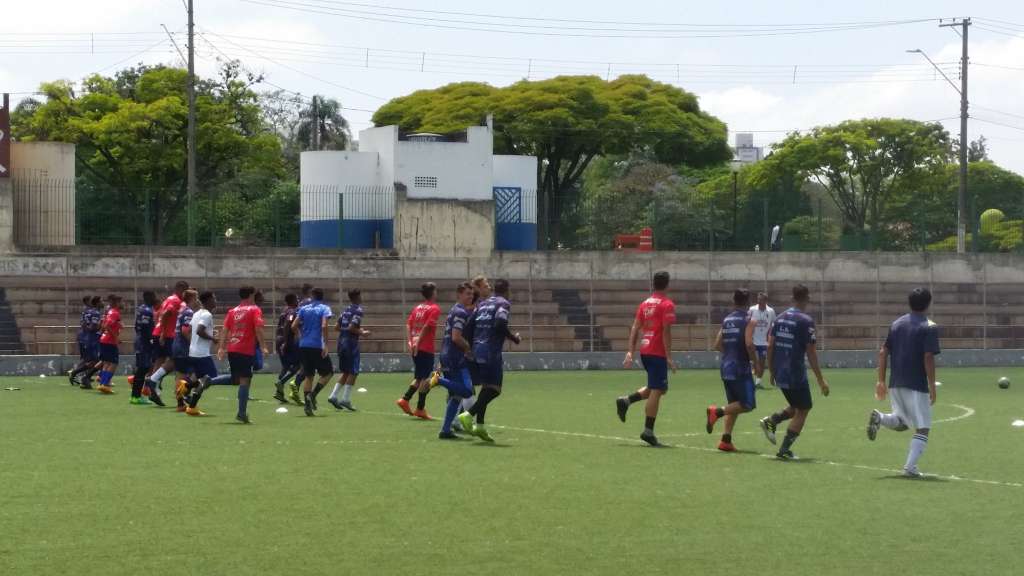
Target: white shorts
[912,407]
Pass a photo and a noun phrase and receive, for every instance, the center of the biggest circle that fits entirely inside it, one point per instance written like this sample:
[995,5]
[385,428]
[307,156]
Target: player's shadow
[489,445]
[913,479]
[800,460]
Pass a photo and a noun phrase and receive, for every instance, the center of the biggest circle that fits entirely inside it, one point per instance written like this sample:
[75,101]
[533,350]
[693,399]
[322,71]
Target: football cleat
[243,419]
[180,408]
[138,401]
[86,385]
[334,402]
[448,436]
[104,389]
[308,406]
[786,455]
[194,411]
[71,378]
[726,446]
[422,415]
[279,396]
[650,439]
[712,418]
[621,406]
[480,431]
[347,405]
[293,394]
[768,427]
[404,405]
[435,379]
[155,399]
[912,472]
[465,420]
[874,421]
[181,388]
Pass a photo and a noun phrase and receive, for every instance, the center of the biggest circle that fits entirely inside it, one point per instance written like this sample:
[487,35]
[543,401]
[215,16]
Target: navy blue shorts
[89,347]
[762,351]
[798,397]
[314,362]
[204,367]
[348,361]
[461,385]
[657,372]
[143,361]
[474,374]
[741,390]
[289,356]
[162,350]
[182,364]
[241,364]
[490,373]
[109,353]
[423,365]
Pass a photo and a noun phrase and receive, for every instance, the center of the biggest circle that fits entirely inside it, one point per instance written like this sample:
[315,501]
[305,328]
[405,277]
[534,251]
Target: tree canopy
[567,122]
[130,132]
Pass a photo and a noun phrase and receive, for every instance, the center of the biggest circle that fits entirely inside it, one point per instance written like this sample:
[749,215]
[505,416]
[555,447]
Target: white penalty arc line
[968,412]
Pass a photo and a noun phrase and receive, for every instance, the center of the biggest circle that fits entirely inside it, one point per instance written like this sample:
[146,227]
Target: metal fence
[52,212]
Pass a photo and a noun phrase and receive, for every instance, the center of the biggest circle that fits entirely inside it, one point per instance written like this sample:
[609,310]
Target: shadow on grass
[926,478]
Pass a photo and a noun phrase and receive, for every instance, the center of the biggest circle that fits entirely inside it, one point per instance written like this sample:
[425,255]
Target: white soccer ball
[229,232]
[281,410]
[1004,382]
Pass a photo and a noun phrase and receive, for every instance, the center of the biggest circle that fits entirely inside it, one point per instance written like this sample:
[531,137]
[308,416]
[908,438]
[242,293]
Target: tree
[567,122]
[321,123]
[977,150]
[130,135]
[862,164]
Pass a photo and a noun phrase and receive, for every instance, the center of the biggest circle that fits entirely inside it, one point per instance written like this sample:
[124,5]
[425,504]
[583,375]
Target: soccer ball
[1004,382]
[229,232]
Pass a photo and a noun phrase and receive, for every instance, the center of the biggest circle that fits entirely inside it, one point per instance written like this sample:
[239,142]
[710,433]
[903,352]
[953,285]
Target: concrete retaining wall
[517,361]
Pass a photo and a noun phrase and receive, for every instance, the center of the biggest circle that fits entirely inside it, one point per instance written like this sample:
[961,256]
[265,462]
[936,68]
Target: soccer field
[91,485]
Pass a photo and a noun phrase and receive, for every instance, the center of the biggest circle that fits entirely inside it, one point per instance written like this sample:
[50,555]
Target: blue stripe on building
[354,234]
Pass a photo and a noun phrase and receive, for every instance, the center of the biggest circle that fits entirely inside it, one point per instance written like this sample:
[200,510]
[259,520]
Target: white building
[745,152]
[426,194]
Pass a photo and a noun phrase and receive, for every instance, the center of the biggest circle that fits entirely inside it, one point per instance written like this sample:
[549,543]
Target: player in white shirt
[200,353]
[763,317]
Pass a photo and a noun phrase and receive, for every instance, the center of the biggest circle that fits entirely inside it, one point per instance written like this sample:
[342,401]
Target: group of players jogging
[177,336]
[788,339]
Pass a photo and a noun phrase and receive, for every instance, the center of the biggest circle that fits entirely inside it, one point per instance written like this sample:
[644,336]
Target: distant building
[745,152]
[419,194]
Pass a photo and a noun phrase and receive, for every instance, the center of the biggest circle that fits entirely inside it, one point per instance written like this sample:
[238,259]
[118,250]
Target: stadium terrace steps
[10,336]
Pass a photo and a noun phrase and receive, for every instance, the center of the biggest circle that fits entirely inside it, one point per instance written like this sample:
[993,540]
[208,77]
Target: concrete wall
[453,227]
[463,170]
[43,188]
[6,217]
[51,366]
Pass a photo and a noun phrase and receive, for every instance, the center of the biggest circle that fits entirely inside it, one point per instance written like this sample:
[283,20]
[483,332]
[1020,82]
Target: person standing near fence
[913,344]
[763,316]
[652,327]
[109,340]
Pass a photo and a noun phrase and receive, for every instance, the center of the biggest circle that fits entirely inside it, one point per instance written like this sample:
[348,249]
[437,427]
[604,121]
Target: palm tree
[322,127]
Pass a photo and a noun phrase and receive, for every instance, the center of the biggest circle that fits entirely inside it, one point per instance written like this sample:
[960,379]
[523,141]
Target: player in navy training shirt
[789,341]
[735,342]
[287,348]
[913,343]
[454,364]
[488,328]
[145,350]
[88,342]
[293,388]
[350,329]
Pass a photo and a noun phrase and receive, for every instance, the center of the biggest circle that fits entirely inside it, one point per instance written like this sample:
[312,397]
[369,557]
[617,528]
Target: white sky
[758,94]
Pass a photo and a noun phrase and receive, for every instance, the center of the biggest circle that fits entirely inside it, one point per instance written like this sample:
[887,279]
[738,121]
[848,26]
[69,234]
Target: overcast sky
[766,67]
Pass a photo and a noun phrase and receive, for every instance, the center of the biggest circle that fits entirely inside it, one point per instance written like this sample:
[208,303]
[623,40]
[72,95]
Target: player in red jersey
[163,333]
[243,326]
[422,329]
[109,337]
[653,327]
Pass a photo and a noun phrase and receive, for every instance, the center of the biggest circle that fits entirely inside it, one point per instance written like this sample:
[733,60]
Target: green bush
[803,231]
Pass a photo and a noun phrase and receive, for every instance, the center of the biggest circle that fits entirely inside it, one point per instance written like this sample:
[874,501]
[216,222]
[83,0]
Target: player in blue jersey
[455,350]
[789,341]
[311,325]
[488,329]
[912,344]
[735,343]
[287,347]
[88,343]
[350,330]
[293,389]
[180,345]
[145,349]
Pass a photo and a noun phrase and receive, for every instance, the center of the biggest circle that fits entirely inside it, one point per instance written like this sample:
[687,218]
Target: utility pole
[961,201]
[316,123]
[191,151]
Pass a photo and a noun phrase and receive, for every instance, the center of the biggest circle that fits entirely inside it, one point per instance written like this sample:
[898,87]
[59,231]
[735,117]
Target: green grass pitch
[91,485]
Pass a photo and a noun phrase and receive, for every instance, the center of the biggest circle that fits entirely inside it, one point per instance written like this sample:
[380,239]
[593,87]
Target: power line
[998,111]
[500,26]
[995,123]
